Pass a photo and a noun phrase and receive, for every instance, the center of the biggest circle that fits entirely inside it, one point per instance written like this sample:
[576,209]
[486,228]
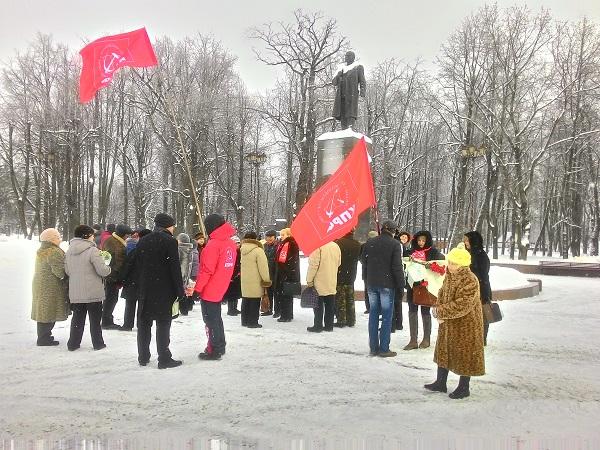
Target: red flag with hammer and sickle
[333,210]
[104,56]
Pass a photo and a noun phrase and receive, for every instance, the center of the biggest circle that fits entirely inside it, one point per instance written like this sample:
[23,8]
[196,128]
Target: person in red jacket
[216,268]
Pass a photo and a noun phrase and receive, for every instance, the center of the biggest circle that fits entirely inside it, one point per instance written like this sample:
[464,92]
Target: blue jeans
[381,301]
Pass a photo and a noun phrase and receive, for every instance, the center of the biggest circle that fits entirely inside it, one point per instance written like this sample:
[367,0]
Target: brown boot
[413,321]
[425,343]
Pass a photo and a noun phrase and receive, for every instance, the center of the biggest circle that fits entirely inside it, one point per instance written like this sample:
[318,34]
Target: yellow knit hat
[460,256]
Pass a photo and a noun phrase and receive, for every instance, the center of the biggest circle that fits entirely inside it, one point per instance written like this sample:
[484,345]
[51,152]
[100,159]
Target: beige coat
[254,269]
[459,345]
[323,266]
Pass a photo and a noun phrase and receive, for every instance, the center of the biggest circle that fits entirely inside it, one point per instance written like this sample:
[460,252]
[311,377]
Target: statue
[350,82]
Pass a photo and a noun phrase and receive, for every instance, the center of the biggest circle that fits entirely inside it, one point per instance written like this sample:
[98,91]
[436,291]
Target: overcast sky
[377,29]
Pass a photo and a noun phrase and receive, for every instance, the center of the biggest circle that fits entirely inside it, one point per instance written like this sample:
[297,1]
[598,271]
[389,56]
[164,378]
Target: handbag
[422,297]
[175,309]
[309,298]
[265,302]
[291,288]
[491,312]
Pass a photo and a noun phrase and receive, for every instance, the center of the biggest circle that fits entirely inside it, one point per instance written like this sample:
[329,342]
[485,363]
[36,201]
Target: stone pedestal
[332,149]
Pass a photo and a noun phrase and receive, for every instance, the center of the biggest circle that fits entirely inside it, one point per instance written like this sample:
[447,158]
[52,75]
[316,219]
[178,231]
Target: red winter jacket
[216,265]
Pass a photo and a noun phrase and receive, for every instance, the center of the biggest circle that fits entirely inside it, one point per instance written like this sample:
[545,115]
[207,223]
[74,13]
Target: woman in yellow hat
[459,346]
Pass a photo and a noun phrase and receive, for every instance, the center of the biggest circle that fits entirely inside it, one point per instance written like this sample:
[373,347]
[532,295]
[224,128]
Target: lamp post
[257,158]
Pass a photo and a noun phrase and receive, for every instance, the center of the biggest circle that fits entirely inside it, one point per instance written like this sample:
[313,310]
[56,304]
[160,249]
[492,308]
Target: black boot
[486,327]
[462,390]
[232,308]
[439,385]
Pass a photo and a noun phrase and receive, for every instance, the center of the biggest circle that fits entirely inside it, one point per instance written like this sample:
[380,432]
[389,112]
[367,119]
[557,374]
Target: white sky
[377,29]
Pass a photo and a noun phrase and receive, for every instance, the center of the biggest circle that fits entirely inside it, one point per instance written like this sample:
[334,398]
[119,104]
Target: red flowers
[435,267]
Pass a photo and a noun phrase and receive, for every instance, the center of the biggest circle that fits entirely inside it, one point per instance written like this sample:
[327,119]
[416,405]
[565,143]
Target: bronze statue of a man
[350,82]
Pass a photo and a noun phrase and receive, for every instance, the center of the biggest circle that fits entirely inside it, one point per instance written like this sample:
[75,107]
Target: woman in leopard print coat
[459,346]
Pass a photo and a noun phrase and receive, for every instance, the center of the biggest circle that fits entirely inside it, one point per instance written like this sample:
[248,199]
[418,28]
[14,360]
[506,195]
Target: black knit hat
[212,222]
[121,230]
[271,233]
[164,220]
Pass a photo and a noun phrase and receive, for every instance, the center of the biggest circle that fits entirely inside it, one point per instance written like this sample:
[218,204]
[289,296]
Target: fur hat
[212,222]
[164,220]
[459,256]
[49,234]
[372,234]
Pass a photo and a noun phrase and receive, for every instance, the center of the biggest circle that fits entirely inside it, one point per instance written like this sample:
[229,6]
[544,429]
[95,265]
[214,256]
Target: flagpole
[184,154]
[188,167]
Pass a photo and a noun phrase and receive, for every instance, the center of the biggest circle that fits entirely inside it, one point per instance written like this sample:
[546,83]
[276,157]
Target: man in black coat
[382,262]
[160,284]
[270,250]
[344,299]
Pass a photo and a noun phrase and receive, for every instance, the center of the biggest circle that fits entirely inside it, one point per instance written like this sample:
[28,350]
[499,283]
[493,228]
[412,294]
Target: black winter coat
[270,251]
[480,265]
[131,276]
[234,291]
[350,249]
[289,270]
[160,282]
[382,262]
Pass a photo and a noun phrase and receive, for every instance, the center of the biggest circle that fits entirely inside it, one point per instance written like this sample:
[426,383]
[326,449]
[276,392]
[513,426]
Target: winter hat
[83,231]
[122,230]
[459,256]
[372,234]
[164,220]
[183,238]
[389,225]
[49,234]
[271,233]
[110,227]
[250,235]
[212,222]
[144,232]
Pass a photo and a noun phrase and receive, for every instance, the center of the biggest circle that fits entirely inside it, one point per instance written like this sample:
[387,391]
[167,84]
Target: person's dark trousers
[397,316]
[326,302]
[111,298]
[80,311]
[232,307]
[129,317]
[250,311]
[276,305]
[44,332]
[271,294]
[163,339]
[287,307]
[215,332]
[367,305]
[185,305]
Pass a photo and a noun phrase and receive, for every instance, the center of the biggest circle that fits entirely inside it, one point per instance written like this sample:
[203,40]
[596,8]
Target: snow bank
[501,278]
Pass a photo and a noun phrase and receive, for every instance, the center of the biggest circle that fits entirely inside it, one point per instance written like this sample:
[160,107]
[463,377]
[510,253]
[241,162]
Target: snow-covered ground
[280,387]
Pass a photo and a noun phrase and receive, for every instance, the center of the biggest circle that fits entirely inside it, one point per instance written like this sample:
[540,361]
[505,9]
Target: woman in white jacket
[86,269]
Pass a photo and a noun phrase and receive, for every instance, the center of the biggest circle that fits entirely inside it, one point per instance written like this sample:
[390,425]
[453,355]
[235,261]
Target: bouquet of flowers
[106,256]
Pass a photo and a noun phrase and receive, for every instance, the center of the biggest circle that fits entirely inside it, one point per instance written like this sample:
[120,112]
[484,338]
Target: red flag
[333,210]
[104,56]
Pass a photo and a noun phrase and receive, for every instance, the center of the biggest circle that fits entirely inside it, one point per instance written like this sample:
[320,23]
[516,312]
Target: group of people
[162,276]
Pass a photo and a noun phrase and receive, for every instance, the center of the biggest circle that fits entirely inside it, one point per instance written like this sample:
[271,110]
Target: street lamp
[256,158]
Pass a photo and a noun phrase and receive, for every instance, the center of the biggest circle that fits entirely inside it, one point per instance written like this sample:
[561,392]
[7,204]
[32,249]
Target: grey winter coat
[85,268]
[185,260]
